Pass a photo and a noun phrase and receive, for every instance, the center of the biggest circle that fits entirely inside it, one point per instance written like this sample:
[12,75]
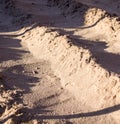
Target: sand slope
[73,73]
[110,6]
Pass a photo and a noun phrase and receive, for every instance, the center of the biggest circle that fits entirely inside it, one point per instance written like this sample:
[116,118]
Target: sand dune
[60,62]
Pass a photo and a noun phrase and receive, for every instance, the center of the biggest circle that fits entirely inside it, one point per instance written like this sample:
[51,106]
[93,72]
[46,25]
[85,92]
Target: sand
[60,62]
[110,6]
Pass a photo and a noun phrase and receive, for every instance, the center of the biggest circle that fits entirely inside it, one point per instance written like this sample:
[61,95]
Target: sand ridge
[66,66]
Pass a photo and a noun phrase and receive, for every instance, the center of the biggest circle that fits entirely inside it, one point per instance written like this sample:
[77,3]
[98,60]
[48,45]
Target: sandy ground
[59,66]
[110,6]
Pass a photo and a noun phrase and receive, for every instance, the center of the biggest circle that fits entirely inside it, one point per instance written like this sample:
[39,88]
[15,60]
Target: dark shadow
[107,60]
[15,78]
[12,70]
[88,114]
[10,50]
[44,112]
[40,110]
[21,34]
[15,18]
[90,26]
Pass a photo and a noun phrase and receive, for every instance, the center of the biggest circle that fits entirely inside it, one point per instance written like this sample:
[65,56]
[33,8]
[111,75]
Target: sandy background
[60,62]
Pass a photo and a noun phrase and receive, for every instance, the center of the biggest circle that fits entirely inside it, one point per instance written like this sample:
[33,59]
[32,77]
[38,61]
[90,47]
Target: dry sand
[60,62]
[110,6]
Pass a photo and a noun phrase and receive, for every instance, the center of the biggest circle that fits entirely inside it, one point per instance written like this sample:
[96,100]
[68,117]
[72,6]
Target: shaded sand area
[59,63]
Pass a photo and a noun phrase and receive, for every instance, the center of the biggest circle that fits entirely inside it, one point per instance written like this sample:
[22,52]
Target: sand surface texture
[59,62]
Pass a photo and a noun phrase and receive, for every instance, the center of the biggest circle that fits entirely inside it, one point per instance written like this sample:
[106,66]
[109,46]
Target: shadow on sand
[8,52]
[80,115]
